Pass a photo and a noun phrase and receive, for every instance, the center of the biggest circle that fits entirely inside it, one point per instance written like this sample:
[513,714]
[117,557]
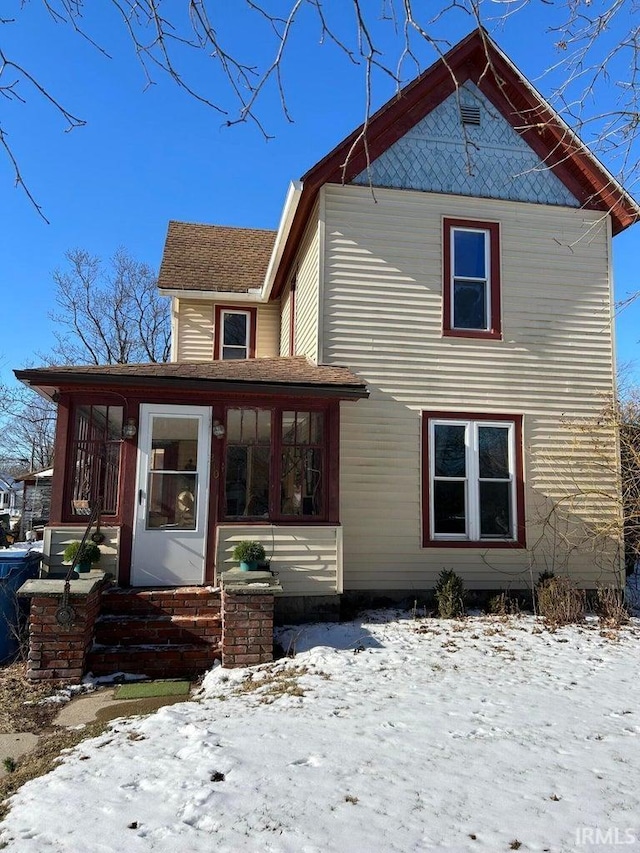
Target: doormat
[152,688]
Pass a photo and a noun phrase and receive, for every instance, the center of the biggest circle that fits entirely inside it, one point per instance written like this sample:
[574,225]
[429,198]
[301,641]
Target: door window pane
[450,450]
[174,444]
[449,513]
[172,500]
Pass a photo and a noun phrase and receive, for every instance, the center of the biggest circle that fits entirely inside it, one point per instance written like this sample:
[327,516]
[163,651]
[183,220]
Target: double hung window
[471,284]
[473,479]
[235,333]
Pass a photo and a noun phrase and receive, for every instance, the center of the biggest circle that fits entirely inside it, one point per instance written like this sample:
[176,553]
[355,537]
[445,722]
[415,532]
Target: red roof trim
[478,59]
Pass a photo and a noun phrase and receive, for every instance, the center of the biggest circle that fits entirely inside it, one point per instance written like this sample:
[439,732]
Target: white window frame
[487,278]
[247,344]
[472,480]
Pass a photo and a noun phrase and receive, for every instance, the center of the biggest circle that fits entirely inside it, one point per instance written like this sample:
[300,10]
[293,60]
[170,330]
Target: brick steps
[164,633]
[161,661]
[126,629]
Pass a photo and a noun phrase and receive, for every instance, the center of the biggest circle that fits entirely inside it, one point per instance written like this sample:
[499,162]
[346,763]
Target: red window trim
[331,500]
[292,315]
[251,310]
[427,541]
[495,285]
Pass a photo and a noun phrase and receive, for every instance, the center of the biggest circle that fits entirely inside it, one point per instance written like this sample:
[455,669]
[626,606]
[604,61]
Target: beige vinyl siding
[195,329]
[307,559]
[383,318]
[56,540]
[285,321]
[268,330]
[307,291]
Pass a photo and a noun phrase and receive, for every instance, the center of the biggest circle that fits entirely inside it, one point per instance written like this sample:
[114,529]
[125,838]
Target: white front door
[172,495]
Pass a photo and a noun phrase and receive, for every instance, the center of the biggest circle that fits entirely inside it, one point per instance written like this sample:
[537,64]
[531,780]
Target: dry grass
[43,759]
[611,608]
[21,711]
[20,708]
[560,602]
[271,685]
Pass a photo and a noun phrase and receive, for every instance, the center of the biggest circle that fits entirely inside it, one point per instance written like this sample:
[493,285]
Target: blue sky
[147,156]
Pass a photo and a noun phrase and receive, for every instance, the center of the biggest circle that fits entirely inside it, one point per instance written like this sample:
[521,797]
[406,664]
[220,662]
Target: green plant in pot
[249,554]
[88,554]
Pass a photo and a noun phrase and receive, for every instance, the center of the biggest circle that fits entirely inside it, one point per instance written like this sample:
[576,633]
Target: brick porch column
[60,640]
[247,626]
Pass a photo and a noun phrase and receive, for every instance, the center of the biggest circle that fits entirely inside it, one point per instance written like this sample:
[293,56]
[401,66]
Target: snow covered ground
[385,734]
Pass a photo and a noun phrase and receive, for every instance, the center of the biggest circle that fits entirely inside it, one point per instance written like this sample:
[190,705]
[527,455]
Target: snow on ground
[385,734]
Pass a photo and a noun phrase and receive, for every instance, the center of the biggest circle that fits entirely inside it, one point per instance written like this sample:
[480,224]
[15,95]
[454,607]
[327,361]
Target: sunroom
[187,459]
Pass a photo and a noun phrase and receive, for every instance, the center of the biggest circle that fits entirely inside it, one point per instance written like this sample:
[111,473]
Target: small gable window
[471,286]
[235,332]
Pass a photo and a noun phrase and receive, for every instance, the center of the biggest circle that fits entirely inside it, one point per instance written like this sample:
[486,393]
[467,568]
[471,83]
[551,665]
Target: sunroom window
[95,458]
[275,464]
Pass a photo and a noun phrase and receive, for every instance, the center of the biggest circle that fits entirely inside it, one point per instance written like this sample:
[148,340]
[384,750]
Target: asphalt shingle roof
[214,257]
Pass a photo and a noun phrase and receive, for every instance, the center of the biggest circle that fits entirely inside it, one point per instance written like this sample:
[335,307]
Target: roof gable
[487,159]
[478,60]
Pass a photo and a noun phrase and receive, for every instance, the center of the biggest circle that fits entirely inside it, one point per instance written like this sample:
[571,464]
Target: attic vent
[470,114]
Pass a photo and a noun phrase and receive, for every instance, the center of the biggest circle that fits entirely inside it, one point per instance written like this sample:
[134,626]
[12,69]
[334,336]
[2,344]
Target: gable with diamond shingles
[489,160]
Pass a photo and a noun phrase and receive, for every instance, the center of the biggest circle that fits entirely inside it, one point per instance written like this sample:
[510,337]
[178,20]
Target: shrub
[503,604]
[449,594]
[248,552]
[544,577]
[610,607]
[560,602]
[87,553]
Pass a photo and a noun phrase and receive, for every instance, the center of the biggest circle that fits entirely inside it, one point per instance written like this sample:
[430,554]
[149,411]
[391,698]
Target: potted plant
[249,554]
[88,554]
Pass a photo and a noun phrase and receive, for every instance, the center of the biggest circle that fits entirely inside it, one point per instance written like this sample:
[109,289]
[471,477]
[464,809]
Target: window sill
[480,544]
[476,334]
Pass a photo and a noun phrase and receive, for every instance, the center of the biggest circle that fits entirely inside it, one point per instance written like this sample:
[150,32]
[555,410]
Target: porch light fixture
[130,428]
[218,429]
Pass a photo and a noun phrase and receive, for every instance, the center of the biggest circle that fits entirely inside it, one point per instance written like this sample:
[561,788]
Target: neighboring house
[387,385]
[36,501]
[10,498]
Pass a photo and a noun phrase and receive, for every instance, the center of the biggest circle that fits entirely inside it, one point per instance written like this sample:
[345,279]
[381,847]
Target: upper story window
[471,286]
[235,333]
[473,480]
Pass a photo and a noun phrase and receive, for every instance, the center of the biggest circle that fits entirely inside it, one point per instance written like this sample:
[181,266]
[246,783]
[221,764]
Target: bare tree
[596,42]
[111,315]
[27,429]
